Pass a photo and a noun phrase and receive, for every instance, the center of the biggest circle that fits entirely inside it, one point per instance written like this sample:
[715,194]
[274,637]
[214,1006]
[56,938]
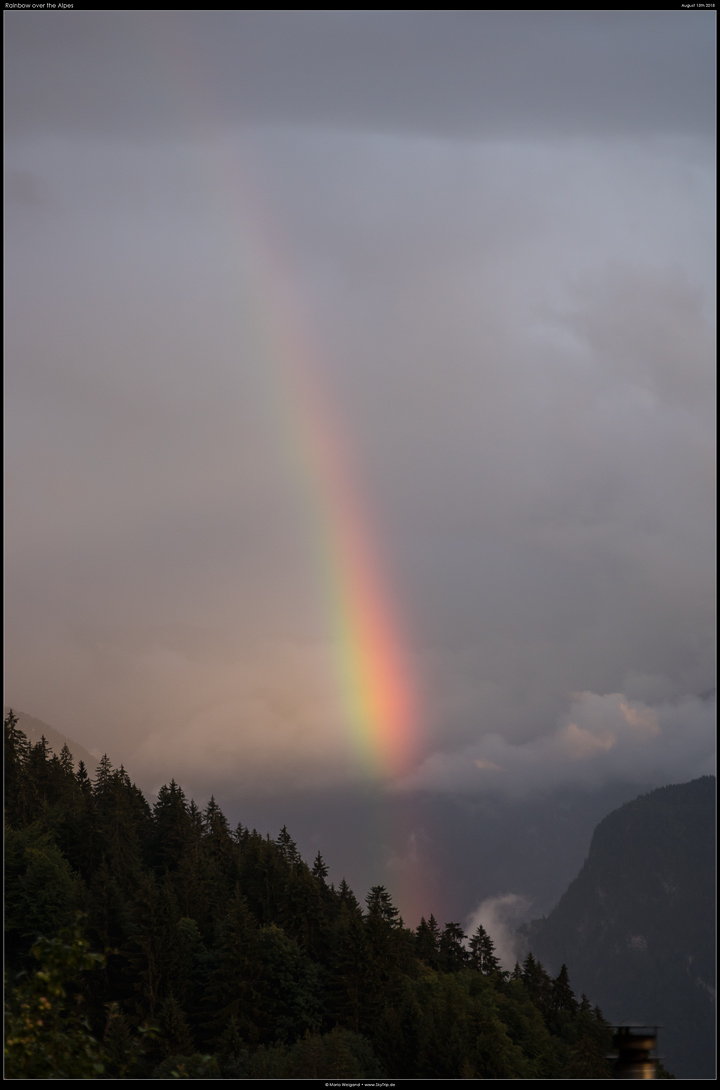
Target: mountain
[636,928]
[34,730]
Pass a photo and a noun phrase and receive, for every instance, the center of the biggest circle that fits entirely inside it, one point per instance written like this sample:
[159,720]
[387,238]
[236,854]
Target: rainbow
[370,665]
[372,675]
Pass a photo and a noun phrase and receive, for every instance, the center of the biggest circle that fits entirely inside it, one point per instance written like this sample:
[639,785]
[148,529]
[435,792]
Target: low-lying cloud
[601,738]
[501,917]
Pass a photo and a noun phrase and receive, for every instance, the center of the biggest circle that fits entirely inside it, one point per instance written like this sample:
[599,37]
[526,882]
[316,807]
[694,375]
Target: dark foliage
[226,956]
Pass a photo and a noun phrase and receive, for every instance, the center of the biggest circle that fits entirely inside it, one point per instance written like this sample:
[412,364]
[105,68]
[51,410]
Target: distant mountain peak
[34,729]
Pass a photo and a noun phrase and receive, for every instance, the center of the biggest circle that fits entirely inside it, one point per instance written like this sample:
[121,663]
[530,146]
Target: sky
[359,406]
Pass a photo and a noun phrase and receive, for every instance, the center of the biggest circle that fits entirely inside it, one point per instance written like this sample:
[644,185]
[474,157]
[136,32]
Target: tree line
[157,941]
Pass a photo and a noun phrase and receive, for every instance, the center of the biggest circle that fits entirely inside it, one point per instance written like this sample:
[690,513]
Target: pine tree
[121,821]
[103,774]
[80,837]
[351,973]
[319,869]
[66,760]
[289,1003]
[83,779]
[188,978]
[538,983]
[177,1038]
[117,1042]
[152,950]
[233,1052]
[16,755]
[482,952]
[379,905]
[218,858]
[172,827]
[287,846]
[234,985]
[563,997]
[305,908]
[427,939]
[216,833]
[195,813]
[347,897]
[390,952]
[39,779]
[452,954]
[214,821]
[125,1053]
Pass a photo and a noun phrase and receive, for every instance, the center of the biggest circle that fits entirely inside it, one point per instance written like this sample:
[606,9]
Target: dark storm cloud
[470,74]
[516,332]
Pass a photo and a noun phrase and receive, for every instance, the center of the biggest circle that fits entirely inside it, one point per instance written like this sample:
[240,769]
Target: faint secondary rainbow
[375,686]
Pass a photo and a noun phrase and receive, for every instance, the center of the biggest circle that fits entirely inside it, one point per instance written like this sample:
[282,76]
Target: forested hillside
[173,945]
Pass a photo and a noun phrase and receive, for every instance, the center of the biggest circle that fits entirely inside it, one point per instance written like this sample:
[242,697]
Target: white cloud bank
[601,738]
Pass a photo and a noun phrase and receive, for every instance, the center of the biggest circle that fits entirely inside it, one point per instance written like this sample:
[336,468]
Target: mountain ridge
[34,729]
[636,926]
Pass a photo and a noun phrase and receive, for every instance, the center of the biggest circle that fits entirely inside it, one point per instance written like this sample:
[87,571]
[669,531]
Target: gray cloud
[474,74]
[601,739]
[515,334]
